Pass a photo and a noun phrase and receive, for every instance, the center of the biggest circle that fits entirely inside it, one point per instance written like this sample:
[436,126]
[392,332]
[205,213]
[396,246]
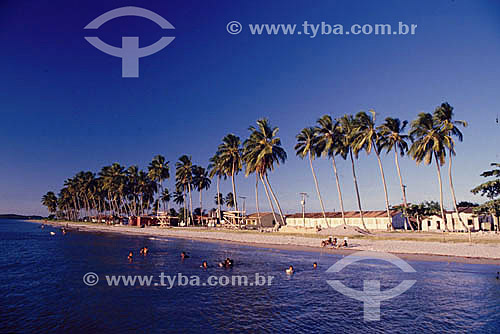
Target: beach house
[374,220]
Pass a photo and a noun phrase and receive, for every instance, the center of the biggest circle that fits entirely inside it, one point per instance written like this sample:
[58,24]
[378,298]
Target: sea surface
[42,289]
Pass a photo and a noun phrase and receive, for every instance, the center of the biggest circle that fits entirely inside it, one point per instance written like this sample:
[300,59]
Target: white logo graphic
[90,279]
[130,52]
[234,27]
[371,296]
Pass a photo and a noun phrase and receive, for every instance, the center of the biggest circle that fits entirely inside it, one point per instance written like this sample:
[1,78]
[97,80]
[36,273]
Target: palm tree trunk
[190,202]
[218,198]
[269,199]
[341,202]
[390,226]
[441,204]
[357,190]
[185,206]
[257,198]
[235,200]
[405,202]
[201,208]
[275,200]
[454,198]
[317,190]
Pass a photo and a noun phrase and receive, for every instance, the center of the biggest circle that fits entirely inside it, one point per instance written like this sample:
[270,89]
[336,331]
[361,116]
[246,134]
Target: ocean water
[42,289]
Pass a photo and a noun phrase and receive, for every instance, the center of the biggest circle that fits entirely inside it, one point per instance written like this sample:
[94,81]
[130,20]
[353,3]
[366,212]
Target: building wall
[435,223]
[372,223]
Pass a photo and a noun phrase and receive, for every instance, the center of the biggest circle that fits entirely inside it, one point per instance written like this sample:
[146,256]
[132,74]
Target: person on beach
[315,265]
[290,270]
[145,251]
[335,243]
[184,255]
[130,256]
[345,244]
[141,251]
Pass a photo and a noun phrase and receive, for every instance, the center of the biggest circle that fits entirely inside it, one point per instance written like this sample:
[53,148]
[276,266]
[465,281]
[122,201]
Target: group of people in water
[142,251]
[333,242]
[291,270]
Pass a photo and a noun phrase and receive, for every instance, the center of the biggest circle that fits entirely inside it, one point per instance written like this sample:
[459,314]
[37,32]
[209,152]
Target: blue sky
[65,107]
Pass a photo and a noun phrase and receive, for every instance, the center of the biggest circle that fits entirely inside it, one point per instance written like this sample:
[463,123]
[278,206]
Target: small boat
[52,233]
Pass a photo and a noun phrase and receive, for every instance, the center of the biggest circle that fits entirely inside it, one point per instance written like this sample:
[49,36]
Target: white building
[473,221]
[374,220]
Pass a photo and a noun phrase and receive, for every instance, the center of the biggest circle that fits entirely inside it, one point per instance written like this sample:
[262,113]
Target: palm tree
[328,143]
[367,139]
[428,144]
[262,150]
[307,146]
[216,168]
[347,129]
[219,199]
[165,198]
[392,138]
[229,200]
[443,115]
[184,177]
[50,201]
[158,171]
[201,182]
[229,152]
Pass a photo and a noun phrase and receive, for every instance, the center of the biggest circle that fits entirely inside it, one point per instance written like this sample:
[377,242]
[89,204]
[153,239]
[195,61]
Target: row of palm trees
[120,191]
[131,191]
[431,137]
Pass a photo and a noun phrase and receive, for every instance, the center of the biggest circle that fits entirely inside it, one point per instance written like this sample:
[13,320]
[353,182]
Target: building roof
[262,214]
[348,214]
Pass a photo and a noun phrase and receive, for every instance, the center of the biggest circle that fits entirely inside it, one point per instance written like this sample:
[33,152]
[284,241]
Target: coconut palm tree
[229,152]
[229,200]
[443,115]
[201,182]
[367,138]
[184,177]
[262,150]
[328,135]
[165,198]
[158,171]
[347,130]
[216,168]
[307,146]
[393,138]
[50,201]
[428,144]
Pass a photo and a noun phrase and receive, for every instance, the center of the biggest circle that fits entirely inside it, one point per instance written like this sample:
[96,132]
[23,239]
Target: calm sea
[42,290]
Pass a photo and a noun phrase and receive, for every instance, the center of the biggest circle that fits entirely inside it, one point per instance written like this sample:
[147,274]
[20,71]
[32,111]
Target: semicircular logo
[130,52]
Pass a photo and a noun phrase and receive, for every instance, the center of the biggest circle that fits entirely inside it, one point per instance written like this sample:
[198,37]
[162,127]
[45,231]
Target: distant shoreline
[409,250]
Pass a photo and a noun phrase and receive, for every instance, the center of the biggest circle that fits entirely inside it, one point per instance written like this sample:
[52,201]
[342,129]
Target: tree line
[118,190]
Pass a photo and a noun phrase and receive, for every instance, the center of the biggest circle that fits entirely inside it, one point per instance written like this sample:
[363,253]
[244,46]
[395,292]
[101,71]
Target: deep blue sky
[64,106]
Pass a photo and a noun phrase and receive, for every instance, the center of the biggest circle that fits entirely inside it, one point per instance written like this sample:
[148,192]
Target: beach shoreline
[409,250]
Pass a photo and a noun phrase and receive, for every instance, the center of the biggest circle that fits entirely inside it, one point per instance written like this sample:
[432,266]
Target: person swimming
[315,265]
[184,255]
[290,270]
[130,256]
[204,265]
[227,263]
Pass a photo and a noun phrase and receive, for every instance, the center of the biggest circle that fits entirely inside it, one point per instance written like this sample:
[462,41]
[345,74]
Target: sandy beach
[449,248]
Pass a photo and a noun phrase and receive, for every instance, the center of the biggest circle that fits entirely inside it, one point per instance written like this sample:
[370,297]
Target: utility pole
[303,204]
